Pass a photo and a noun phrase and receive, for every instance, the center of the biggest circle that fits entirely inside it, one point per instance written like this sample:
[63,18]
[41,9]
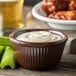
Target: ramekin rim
[11,37]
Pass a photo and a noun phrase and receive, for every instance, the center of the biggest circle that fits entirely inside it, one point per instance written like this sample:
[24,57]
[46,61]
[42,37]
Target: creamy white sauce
[39,36]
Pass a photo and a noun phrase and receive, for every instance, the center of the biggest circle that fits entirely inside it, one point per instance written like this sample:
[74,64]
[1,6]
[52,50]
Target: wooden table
[67,65]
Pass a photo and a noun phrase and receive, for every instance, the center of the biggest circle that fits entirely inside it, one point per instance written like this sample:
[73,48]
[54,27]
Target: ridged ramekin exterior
[40,56]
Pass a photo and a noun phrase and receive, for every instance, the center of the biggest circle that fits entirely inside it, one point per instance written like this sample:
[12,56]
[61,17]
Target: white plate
[38,13]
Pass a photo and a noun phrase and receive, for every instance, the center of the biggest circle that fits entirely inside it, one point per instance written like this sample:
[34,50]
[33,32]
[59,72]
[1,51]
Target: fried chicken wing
[60,9]
[64,15]
[72,5]
[50,6]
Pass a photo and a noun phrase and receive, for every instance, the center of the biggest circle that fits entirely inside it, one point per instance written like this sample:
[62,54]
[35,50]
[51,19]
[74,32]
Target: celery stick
[4,41]
[8,58]
[1,49]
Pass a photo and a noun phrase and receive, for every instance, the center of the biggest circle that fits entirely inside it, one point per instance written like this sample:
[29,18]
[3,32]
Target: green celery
[5,41]
[8,58]
[1,49]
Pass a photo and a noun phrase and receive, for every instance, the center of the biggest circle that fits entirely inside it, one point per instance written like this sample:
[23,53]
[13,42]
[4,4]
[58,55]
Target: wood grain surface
[67,65]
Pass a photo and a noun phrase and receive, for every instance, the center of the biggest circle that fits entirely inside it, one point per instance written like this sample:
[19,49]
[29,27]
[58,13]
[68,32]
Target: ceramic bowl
[38,55]
[38,13]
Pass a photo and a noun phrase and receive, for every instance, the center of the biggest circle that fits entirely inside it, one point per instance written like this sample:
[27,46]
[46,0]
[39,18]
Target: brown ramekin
[37,56]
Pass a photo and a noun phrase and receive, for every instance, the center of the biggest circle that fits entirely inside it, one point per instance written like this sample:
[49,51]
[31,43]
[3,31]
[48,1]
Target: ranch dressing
[39,36]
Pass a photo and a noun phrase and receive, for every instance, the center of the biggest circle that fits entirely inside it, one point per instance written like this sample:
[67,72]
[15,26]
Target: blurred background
[31,2]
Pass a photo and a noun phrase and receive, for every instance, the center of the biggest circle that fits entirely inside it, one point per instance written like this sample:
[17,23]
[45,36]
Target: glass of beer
[11,15]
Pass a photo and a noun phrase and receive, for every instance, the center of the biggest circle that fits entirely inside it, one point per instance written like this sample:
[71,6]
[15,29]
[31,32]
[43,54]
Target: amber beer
[11,11]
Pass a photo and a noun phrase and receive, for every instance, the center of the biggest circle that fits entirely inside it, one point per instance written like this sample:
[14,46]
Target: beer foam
[8,0]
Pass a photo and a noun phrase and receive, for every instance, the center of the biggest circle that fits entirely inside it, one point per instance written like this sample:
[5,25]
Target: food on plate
[64,15]
[60,9]
[50,6]
[39,36]
[8,58]
[72,5]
